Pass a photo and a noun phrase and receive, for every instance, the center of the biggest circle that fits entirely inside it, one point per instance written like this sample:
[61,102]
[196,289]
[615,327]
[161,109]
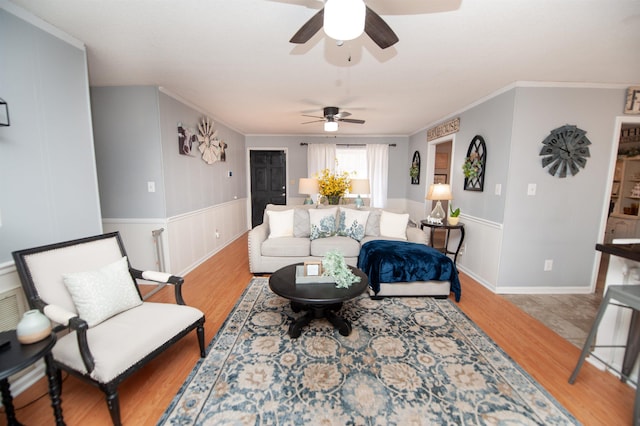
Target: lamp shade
[308,186]
[330,126]
[439,191]
[360,186]
[344,19]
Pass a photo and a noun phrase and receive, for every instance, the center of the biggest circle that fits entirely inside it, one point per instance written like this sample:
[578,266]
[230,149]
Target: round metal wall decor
[565,150]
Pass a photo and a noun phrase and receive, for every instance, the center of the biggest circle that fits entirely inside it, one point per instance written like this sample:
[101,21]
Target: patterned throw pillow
[352,223]
[101,294]
[323,222]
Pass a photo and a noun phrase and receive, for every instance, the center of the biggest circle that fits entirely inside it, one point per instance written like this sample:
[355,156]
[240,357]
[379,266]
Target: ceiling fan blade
[312,116]
[351,120]
[309,29]
[378,30]
[343,114]
[313,121]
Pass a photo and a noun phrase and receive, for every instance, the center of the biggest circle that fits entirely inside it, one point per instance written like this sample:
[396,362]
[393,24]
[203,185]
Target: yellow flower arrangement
[333,184]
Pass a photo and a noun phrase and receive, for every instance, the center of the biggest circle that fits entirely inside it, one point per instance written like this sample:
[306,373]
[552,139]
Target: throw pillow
[352,223]
[301,223]
[373,223]
[394,225]
[99,295]
[323,222]
[280,223]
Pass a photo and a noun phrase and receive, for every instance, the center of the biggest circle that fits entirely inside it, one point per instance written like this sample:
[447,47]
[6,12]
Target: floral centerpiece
[334,265]
[333,185]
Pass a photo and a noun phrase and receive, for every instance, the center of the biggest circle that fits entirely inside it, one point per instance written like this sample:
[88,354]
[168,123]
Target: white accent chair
[102,350]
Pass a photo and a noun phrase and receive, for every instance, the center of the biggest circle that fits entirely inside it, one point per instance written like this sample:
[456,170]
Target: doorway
[268,179]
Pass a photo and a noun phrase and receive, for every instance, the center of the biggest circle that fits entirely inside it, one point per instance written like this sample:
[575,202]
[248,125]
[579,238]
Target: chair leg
[586,349]
[200,333]
[113,402]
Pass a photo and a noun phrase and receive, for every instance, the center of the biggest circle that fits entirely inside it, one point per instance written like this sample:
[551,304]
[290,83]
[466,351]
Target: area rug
[408,361]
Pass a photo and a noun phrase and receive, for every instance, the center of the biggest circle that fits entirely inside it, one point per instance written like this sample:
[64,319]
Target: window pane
[352,160]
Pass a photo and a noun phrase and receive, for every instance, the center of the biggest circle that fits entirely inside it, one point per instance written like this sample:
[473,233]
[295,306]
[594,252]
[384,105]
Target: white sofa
[267,255]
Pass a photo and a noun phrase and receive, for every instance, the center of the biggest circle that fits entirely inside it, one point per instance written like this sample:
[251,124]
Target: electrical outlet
[498,189]
[217,234]
[548,265]
[151,186]
[462,249]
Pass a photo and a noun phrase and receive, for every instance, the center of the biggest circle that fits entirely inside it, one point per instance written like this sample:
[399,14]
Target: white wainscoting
[480,257]
[187,240]
[196,236]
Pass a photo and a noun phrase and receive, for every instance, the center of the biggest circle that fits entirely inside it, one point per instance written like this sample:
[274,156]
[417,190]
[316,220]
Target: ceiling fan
[348,17]
[332,116]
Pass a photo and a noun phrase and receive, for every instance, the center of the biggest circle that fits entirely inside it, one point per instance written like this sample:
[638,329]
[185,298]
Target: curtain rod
[346,144]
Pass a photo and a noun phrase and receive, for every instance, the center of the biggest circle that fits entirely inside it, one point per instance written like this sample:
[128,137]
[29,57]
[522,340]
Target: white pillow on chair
[99,295]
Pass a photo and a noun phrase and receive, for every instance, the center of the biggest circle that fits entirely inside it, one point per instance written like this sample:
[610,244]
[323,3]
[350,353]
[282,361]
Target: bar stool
[629,296]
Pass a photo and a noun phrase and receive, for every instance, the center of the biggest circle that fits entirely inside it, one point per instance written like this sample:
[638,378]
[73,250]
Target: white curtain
[378,172]
[319,157]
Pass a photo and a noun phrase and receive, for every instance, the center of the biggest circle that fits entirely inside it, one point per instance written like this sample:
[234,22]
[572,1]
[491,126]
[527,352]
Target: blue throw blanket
[399,261]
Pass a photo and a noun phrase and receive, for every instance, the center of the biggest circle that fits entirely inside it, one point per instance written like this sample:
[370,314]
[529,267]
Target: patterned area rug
[408,361]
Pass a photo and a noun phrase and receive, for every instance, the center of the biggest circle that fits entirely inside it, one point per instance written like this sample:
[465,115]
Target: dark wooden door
[268,182]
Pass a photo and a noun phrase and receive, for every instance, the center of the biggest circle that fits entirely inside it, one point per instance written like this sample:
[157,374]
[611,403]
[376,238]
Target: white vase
[453,220]
[33,327]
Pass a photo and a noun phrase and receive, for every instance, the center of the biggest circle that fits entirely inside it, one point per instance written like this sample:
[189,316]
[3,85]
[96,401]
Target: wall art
[211,148]
[474,165]
[414,170]
[186,138]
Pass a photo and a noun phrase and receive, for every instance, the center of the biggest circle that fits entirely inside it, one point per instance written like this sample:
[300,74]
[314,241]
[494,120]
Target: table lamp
[438,192]
[308,186]
[359,186]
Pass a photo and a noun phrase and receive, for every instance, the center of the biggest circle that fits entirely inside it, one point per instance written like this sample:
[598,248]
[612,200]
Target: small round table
[14,357]
[320,300]
[433,226]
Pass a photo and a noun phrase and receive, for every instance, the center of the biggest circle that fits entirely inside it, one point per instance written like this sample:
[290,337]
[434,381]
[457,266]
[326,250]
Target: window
[353,160]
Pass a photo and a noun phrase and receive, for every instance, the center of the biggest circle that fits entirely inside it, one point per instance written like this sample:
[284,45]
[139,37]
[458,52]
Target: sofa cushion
[394,225]
[352,223]
[280,223]
[286,247]
[345,245]
[323,222]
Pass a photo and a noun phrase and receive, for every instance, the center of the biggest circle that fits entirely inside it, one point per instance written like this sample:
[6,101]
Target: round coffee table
[320,300]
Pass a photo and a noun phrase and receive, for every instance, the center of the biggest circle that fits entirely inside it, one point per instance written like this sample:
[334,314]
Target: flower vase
[333,199]
[453,221]
[33,327]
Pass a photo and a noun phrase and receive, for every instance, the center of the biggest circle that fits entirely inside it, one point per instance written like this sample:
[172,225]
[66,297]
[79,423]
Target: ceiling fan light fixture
[344,19]
[330,126]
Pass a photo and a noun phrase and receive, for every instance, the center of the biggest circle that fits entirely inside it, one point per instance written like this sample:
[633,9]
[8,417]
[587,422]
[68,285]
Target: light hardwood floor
[597,398]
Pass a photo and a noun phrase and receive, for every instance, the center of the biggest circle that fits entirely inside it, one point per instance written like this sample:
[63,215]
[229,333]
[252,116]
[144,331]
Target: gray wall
[562,221]
[136,137]
[48,185]
[126,128]
[297,160]
[493,121]
[192,184]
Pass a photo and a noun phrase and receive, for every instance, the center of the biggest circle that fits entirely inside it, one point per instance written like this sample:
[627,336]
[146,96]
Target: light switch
[151,186]
[531,189]
[498,189]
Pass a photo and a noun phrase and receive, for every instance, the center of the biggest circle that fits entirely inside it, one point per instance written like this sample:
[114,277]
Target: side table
[433,226]
[15,357]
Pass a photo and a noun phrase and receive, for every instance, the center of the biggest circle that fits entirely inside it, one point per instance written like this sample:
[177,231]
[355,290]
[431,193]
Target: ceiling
[233,60]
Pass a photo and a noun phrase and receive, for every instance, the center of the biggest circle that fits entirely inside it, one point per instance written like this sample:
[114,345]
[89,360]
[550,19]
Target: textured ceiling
[233,58]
